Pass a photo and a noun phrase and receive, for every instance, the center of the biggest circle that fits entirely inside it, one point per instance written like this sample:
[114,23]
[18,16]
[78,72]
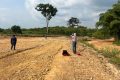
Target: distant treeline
[58,30]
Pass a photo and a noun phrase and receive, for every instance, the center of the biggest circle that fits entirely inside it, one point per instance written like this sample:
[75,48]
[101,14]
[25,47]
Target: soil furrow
[29,64]
[42,59]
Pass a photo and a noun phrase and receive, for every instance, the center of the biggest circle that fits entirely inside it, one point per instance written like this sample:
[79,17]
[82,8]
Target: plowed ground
[41,59]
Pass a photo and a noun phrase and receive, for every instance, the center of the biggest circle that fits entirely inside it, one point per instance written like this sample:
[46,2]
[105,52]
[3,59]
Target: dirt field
[41,59]
[104,44]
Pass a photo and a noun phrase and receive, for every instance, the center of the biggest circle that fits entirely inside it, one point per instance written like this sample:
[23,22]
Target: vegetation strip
[111,54]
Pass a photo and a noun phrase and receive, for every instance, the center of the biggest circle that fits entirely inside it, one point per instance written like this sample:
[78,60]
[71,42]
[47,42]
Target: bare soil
[41,59]
[108,43]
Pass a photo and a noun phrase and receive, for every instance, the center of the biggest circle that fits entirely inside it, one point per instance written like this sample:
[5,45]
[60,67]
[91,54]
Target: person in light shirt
[74,42]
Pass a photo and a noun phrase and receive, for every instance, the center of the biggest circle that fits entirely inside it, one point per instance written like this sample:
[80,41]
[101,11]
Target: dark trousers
[13,46]
[74,46]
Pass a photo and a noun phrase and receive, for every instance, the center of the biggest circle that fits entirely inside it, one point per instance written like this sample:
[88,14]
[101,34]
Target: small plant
[116,61]
[117,43]
[109,53]
[112,54]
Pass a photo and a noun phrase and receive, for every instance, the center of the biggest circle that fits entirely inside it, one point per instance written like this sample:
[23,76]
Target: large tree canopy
[110,21]
[72,22]
[16,29]
[48,11]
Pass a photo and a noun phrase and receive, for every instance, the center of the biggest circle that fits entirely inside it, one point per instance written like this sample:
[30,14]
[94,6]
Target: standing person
[13,42]
[74,42]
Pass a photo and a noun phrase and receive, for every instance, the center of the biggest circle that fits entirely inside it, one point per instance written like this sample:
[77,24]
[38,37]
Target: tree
[115,29]
[16,29]
[110,21]
[72,22]
[1,30]
[48,11]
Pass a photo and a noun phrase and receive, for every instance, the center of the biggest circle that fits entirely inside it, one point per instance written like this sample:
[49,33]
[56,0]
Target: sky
[23,13]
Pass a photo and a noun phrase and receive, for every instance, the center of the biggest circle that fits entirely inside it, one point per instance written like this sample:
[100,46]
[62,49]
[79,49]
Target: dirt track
[40,59]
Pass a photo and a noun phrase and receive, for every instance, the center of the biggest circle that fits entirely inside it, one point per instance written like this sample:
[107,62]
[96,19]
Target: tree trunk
[47,22]
[47,25]
[117,37]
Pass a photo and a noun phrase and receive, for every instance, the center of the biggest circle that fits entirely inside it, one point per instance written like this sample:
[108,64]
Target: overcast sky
[22,12]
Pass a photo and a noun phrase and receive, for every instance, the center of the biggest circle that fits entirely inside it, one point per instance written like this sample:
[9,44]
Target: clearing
[39,59]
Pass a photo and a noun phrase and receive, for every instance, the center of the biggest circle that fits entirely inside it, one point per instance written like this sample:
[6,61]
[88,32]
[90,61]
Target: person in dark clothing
[13,42]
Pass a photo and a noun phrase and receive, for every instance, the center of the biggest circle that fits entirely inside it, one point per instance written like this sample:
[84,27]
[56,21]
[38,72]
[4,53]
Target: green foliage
[48,11]
[81,31]
[110,21]
[114,25]
[115,29]
[109,53]
[34,31]
[115,60]
[16,29]
[72,22]
[89,32]
[57,30]
[101,34]
[112,54]
[117,43]
[98,34]
[1,30]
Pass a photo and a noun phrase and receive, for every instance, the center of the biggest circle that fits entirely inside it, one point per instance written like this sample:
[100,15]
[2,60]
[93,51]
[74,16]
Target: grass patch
[112,55]
[115,60]
[117,43]
[109,53]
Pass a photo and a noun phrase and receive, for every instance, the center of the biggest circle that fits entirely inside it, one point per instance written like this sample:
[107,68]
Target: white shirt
[74,38]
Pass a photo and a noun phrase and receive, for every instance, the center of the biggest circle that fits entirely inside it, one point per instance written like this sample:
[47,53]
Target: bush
[112,54]
[107,52]
[117,43]
[16,29]
[1,30]
[115,60]
[101,34]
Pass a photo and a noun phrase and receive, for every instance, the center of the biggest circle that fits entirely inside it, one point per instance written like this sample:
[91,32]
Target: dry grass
[100,44]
